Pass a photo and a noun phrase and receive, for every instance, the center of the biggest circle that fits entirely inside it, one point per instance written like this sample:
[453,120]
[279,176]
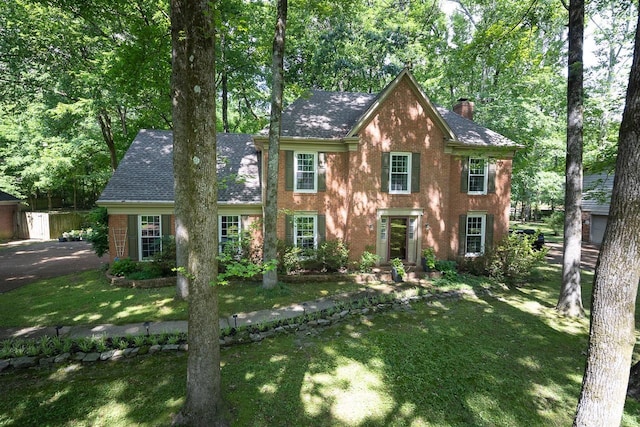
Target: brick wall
[7,221]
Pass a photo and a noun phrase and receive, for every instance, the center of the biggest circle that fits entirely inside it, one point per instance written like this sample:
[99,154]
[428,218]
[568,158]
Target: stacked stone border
[342,311]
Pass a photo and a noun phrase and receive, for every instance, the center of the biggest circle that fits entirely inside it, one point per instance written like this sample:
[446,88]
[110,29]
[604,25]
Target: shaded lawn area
[88,298]
[503,359]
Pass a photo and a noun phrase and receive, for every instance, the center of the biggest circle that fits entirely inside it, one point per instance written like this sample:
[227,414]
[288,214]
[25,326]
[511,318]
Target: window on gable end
[150,230]
[229,233]
[400,173]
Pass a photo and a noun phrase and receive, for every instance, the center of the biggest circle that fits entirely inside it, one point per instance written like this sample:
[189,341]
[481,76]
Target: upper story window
[229,232]
[400,173]
[305,167]
[478,173]
[150,235]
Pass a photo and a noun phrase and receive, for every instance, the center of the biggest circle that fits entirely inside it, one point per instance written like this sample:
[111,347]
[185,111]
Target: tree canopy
[79,79]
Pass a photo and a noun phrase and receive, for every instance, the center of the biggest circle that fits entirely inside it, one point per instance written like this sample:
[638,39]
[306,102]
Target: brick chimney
[464,108]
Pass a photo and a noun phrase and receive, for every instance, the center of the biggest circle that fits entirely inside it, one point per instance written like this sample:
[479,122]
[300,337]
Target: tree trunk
[633,389]
[612,333]
[270,247]
[224,86]
[194,162]
[107,134]
[570,301]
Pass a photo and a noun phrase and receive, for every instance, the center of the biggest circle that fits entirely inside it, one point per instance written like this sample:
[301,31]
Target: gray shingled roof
[145,174]
[6,197]
[323,114]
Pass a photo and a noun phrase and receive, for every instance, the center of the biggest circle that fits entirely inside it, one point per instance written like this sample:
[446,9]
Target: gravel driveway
[23,262]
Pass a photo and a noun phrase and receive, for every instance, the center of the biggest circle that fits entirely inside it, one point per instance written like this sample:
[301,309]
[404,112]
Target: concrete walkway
[242,319]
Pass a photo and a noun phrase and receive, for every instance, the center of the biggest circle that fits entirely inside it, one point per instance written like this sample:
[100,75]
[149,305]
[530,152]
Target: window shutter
[464,176]
[288,229]
[415,172]
[384,178]
[322,171]
[288,166]
[322,228]
[132,236]
[166,225]
[488,233]
[491,179]
[462,235]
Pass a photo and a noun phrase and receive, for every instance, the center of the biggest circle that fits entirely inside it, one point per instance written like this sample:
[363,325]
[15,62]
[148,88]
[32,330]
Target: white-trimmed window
[228,231]
[478,173]
[305,172]
[400,173]
[305,231]
[475,234]
[150,235]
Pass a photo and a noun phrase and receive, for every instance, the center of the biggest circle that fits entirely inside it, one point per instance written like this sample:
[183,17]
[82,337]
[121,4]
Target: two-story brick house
[389,172]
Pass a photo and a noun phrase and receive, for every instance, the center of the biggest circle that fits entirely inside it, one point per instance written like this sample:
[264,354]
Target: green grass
[505,359]
[543,227]
[87,298]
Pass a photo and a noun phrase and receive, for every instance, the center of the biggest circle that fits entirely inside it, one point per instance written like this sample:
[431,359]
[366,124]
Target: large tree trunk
[194,163]
[611,337]
[270,247]
[570,301]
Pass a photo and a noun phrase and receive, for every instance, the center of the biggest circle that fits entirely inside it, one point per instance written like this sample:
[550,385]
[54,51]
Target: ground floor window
[475,234]
[304,231]
[229,232]
[150,235]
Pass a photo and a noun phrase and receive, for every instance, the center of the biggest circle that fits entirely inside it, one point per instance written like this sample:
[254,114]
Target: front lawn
[87,298]
[499,359]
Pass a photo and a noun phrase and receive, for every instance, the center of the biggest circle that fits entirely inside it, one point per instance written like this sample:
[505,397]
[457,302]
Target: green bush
[556,222]
[514,258]
[124,267]
[367,261]
[289,258]
[98,234]
[332,256]
[165,260]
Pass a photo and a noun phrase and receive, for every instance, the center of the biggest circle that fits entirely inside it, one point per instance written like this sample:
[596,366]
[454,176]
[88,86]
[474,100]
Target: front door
[398,238]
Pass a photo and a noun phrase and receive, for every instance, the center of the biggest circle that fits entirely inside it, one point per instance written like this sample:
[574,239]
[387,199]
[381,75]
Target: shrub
[165,260]
[367,261]
[556,222]
[288,258]
[332,256]
[124,267]
[429,255]
[98,234]
[513,259]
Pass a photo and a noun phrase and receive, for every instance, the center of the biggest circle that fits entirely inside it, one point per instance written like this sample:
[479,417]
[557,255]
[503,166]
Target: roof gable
[8,198]
[339,115]
[145,174]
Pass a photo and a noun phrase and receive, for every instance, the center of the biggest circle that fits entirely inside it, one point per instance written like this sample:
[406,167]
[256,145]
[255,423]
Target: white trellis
[120,239]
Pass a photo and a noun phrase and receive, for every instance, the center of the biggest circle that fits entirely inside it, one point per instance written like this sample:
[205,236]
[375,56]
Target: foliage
[332,255]
[289,258]
[367,261]
[429,255]
[399,266]
[514,259]
[98,220]
[556,222]
[123,267]
[164,261]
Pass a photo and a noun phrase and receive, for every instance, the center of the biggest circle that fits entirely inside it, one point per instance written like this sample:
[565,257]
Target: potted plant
[428,259]
[397,270]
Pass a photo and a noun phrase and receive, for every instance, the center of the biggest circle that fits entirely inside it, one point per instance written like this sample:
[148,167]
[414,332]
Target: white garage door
[598,224]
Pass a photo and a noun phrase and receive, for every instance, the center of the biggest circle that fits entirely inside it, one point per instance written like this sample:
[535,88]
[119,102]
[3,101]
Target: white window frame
[392,173]
[383,228]
[484,175]
[314,171]
[314,219]
[482,234]
[224,233]
[144,234]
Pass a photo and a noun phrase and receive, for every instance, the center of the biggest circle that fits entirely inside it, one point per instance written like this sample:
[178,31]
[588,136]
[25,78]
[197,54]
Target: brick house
[9,208]
[390,173]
